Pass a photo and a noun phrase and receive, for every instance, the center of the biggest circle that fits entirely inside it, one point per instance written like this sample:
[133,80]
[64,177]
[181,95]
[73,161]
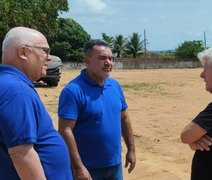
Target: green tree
[119,44]
[189,49]
[108,39]
[38,14]
[69,40]
[134,45]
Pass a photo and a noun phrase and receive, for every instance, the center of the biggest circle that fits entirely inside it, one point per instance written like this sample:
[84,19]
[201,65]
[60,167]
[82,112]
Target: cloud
[90,11]
[167,22]
[91,8]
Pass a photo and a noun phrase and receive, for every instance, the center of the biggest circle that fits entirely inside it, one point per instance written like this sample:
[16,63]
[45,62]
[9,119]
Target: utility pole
[144,42]
[205,39]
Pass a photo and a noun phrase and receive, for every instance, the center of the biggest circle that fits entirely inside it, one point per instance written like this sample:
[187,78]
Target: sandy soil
[161,102]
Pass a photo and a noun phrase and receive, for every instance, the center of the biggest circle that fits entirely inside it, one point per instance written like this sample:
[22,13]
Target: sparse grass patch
[150,89]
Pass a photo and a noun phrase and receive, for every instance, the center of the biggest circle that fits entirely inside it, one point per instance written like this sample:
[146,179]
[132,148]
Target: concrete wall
[71,65]
[155,63]
[141,63]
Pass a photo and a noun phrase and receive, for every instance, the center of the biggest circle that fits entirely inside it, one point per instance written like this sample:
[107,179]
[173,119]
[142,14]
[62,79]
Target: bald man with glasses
[30,147]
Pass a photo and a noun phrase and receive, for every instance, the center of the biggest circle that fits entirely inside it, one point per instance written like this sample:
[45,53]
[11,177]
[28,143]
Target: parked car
[53,73]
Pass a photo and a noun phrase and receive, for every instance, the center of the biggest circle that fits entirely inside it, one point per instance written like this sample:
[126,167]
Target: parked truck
[53,73]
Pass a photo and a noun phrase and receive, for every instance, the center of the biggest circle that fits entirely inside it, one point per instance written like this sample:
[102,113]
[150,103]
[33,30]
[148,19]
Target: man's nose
[49,57]
[202,74]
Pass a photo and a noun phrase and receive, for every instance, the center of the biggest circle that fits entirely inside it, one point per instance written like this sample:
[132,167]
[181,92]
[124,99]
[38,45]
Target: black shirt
[202,160]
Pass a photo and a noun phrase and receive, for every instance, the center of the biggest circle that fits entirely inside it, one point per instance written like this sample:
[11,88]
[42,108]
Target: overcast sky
[167,23]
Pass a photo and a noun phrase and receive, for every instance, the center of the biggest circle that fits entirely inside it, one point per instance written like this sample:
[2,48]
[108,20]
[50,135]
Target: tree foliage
[119,45]
[69,40]
[108,39]
[189,49]
[37,14]
[125,47]
[134,45]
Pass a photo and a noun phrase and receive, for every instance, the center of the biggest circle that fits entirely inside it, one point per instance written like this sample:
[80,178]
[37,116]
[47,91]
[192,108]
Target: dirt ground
[161,102]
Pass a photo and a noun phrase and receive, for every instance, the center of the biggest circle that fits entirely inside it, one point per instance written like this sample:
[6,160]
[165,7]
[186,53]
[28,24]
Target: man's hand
[202,144]
[130,161]
[82,174]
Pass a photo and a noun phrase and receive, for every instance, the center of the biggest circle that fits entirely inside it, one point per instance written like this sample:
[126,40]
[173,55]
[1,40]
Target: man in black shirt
[198,133]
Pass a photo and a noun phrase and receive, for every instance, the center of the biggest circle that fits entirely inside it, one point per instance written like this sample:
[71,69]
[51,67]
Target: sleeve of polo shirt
[204,119]
[123,100]
[68,106]
[18,124]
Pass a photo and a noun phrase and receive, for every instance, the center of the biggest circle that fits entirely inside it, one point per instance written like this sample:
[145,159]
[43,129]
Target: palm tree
[119,45]
[134,45]
[108,39]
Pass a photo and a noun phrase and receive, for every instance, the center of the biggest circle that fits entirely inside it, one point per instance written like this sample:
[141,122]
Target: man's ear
[21,52]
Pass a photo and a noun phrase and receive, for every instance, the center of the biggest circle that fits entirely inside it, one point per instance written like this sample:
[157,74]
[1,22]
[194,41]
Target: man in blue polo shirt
[94,108]
[30,147]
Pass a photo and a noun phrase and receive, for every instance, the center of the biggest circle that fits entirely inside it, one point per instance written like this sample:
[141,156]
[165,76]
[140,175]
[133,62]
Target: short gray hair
[205,55]
[17,36]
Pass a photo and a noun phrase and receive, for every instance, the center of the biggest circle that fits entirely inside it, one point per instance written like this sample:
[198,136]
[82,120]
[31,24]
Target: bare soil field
[161,102]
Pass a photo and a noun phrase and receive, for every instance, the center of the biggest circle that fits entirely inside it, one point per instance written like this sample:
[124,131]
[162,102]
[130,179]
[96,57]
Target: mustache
[108,66]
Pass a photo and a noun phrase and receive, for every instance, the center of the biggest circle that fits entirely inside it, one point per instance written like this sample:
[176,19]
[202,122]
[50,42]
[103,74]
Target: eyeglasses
[45,49]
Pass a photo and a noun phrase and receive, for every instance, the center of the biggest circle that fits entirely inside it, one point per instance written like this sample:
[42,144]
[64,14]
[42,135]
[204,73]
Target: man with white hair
[30,147]
[198,133]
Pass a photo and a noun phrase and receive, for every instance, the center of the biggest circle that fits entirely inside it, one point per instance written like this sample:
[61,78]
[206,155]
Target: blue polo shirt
[24,119]
[97,111]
